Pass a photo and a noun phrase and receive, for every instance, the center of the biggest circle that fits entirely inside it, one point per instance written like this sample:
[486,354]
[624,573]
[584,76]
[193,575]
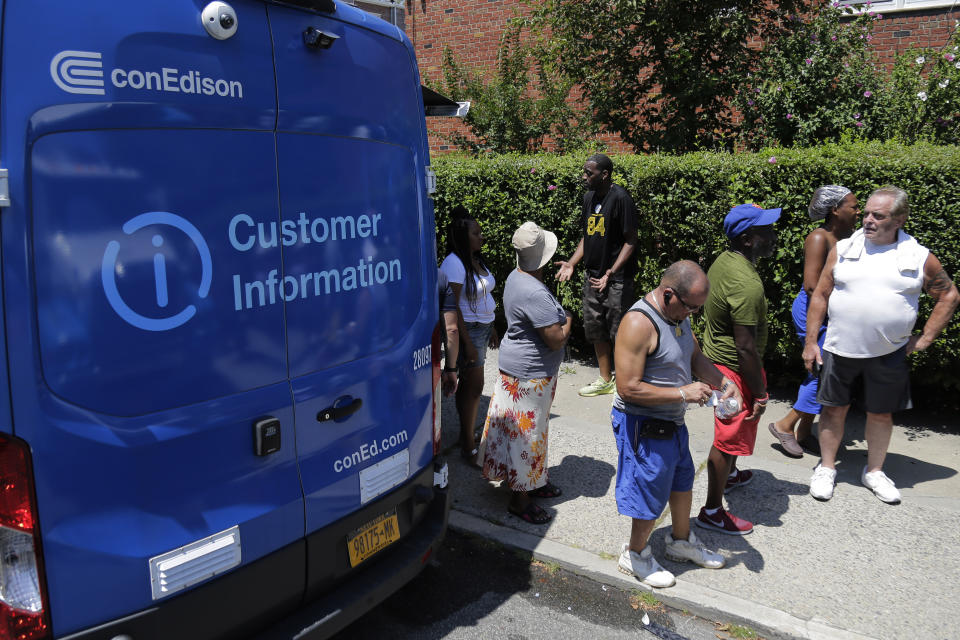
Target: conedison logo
[108,271]
[78,72]
[82,72]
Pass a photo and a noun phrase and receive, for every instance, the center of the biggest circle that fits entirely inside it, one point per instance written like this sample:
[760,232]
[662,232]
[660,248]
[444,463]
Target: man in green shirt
[735,335]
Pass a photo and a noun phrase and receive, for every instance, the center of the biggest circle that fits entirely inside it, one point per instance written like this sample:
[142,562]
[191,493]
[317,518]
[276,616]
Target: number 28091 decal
[421,357]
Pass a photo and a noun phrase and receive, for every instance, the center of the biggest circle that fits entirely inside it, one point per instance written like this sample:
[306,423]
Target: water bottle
[725,408]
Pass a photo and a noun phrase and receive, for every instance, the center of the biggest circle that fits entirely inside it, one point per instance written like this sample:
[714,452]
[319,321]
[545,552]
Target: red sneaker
[742,478]
[724,522]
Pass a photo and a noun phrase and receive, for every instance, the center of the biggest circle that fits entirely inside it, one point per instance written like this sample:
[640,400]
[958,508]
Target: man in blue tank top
[657,356]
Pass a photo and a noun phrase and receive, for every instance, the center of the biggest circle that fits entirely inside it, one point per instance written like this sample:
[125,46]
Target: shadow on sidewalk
[763,502]
[906,471]
[580,476]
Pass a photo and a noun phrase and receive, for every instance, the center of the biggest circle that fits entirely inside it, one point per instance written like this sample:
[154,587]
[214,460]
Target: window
[900,5]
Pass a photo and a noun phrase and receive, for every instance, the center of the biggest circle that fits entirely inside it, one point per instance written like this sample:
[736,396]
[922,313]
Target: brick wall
[897,32]
[472,30]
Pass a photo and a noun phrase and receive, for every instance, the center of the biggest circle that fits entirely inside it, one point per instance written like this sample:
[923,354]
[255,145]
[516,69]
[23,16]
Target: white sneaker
[692,550]
[821,484]
[881,485]
[644,567]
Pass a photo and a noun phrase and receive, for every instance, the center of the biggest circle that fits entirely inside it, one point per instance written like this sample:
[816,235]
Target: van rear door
[360,263]
[138,147]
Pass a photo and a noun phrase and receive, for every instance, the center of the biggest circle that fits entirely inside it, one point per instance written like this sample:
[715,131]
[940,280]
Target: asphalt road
[476,588]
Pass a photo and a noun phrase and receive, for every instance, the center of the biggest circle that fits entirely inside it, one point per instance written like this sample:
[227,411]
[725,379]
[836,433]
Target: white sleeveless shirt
[876,290]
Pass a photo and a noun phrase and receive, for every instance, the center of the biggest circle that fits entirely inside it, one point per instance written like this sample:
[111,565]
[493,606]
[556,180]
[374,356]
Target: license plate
[373,537]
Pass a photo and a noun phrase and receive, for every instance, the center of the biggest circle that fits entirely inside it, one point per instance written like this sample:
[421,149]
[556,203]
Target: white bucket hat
[535,246]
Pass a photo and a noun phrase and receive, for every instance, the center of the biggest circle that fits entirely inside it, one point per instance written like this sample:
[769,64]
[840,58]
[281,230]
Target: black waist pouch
[656,428]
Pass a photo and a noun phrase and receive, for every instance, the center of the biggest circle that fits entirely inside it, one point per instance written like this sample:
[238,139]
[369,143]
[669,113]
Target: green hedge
[681,201]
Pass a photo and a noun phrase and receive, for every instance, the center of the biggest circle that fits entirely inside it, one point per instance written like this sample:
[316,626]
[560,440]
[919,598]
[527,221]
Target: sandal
[546,491]
[533,513]
[787,441]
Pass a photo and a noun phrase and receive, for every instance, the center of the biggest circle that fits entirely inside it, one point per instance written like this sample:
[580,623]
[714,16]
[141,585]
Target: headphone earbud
[666,296]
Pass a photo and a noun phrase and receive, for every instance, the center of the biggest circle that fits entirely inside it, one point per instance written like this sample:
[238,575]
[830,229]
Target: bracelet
[762,401]
[449,369]
[683,396]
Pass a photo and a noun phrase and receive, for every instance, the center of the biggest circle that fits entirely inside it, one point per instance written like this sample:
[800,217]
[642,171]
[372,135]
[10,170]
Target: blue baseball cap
[744,216]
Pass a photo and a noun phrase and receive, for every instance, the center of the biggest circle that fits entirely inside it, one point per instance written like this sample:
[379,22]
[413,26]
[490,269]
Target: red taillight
[23,612]
[436,346]
[15,509]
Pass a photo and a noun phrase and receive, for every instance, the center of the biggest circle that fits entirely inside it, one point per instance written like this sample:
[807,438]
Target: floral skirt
[514,442]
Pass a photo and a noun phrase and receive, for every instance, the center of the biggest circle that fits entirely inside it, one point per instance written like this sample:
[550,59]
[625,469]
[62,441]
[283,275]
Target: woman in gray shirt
[514,443]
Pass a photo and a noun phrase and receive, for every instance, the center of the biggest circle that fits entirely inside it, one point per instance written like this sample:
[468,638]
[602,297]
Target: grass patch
[735,631]
[546,565]
[640,599]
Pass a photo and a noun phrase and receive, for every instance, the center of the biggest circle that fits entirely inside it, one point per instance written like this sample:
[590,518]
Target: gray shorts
[883,383]
[479,335]
[603,310]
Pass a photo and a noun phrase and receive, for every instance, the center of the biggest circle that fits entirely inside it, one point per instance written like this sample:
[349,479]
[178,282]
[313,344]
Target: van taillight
[23,614]
[436,347]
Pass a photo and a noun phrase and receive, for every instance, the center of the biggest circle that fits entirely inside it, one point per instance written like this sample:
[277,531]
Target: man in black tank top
[657,357]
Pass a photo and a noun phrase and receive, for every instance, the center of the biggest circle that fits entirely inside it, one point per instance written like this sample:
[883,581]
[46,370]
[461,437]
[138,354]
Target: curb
[701,601]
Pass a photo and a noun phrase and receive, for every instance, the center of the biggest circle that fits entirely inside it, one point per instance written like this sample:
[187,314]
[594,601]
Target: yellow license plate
[373,537]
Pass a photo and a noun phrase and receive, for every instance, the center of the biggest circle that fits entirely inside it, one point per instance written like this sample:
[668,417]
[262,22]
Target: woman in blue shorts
[837,207]
[472,284]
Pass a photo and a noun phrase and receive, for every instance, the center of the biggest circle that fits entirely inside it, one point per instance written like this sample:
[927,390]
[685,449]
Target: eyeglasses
[689,308]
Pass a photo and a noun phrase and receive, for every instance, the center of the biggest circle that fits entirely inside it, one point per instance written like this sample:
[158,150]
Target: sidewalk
[852,567]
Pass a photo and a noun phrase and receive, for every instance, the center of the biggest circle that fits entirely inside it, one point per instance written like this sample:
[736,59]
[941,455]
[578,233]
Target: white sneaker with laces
[881,485]
[821,484]
[692,550]
[644,567]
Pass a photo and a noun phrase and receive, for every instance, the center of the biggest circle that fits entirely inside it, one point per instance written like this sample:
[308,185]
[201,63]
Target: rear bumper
[364,589]
[269,595]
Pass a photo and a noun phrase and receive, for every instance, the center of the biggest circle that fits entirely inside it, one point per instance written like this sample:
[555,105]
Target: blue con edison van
[219,310]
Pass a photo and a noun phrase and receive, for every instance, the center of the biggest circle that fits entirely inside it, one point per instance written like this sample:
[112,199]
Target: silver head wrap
[825,199]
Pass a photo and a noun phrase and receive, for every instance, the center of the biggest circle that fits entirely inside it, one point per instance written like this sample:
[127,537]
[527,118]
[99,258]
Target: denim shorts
[479,334]
[649,470]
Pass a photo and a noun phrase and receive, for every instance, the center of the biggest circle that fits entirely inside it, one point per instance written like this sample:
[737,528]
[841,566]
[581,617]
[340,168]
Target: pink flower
[772,160]
[551,187]
[856,116]
[808,61]
[789,116]
[750,102]
[533,170]
[948,57]
[833,37]
[869,37]
[858,123]
[867,94]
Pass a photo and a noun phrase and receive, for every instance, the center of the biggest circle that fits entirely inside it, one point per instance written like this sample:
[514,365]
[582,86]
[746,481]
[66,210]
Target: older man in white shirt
[871,285]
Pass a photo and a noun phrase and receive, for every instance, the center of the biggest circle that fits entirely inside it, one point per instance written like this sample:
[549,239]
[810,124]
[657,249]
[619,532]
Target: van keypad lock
[339,412]
[266,436]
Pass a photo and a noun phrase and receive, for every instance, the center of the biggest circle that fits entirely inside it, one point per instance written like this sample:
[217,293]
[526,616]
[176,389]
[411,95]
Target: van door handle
[338,413]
